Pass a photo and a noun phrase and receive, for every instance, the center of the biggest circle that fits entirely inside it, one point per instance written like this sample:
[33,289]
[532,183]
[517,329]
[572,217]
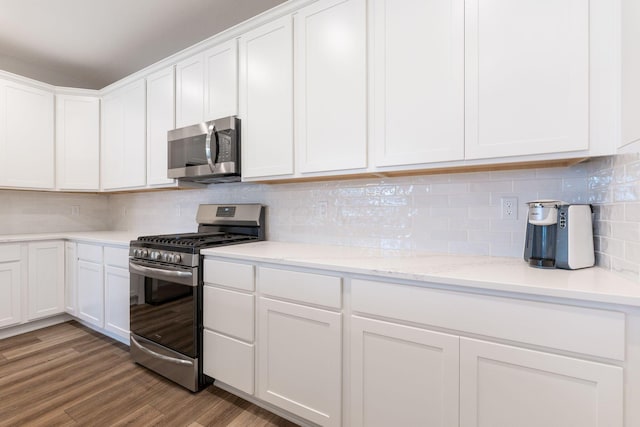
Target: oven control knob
[144,253]
[170,257]
[155,255]
[136,253]
[165,257]
[177,258]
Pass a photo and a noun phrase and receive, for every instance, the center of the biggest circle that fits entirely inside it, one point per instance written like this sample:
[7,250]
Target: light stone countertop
[478,272]
[119,238]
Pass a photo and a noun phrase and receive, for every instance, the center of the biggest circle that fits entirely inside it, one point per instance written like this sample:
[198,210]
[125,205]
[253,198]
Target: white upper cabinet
[331,86]
[77,142]
[160,119]
[630,72]
[26,136]
[189,91]
[526,77]
[221,81]
[418,81]
[266,100]
[123,137]
[207,85]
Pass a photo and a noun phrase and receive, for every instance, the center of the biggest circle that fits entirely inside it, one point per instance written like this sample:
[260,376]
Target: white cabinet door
[221,81]
[418,75]
[124,150]
[300,353]
[116,301]
[77,142]
[46,279]
[526,77]
[630,129]
[331,85]
[10,285]
[266,100]
[402,375]
[71,279]
[27,155]
[190,91]
[90,293]
[160,119]
[503,386]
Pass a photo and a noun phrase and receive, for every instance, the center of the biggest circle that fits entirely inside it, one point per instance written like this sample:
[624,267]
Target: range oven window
[167,314]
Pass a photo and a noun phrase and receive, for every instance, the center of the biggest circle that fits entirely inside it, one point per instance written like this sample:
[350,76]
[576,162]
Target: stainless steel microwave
[207,152]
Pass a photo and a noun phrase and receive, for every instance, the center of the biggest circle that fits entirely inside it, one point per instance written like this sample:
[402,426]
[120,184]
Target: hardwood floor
[69,375]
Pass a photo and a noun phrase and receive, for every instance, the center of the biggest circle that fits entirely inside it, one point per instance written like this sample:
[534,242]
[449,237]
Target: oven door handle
[211,157]
[160,356]
[160,273]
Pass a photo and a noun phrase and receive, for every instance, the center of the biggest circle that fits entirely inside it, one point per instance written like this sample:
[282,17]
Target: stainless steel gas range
[166,271]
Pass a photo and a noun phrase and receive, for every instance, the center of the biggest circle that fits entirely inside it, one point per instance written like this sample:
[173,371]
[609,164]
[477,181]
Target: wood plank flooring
[69,375]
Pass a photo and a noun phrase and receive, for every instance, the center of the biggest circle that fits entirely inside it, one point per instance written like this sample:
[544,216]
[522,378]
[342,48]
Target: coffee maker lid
[546,203]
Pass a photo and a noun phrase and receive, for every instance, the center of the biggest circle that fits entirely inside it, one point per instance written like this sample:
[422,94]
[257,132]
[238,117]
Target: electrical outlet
[509,208]
[321,209]
[75,210]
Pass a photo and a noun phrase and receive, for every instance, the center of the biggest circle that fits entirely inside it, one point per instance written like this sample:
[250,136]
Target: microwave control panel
[226,148]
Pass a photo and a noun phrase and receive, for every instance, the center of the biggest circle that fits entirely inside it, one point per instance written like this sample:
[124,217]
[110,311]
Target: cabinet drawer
[91,253]
[229,274]
[229,312]
[117,257]
[576,329]
[228,360]
[9,253]
[311,288]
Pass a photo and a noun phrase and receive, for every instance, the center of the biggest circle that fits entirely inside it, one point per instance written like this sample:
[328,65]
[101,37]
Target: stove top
[195,240]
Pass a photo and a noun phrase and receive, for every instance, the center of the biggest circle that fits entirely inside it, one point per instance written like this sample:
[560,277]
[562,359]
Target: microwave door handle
[211,157]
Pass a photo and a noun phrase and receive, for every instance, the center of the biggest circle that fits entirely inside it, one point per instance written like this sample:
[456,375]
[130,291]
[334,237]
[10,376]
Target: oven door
[166,308]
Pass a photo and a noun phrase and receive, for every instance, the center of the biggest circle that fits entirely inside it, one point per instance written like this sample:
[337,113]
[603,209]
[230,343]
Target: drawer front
[229,312]
[9,253]
[576,329]
[309,288]
[91,253]
[229,361]
[117,257]
[229,274]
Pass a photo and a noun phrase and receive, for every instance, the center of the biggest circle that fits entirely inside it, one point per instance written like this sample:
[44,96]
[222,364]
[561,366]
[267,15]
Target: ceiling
[93,43]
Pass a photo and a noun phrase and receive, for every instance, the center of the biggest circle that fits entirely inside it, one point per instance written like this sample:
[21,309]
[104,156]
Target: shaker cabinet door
[46,279]
[160,119]
[418,81]
[221,81]
[266,100]
[526,77]
[331,86]
[504,386]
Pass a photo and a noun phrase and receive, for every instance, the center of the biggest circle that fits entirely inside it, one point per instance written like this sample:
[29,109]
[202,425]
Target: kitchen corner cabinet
[266,100]
[402,375]
[10,285]
[300,344]
[123,154]
[331,86]
[45,285]
[26,136]
[526,77]
[504,386]
[418,81]
[160,119]
[77,142]
[207,85]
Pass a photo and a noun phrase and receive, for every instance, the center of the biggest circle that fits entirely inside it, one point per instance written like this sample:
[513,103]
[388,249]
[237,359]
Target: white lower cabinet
[402,375]
[504,386]
[103,288]
[300,360]
[10,285]
[90,293]
[45,284]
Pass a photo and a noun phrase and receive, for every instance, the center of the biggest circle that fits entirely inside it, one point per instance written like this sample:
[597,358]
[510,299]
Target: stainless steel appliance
[166,272]
[559,235]
[207,152]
